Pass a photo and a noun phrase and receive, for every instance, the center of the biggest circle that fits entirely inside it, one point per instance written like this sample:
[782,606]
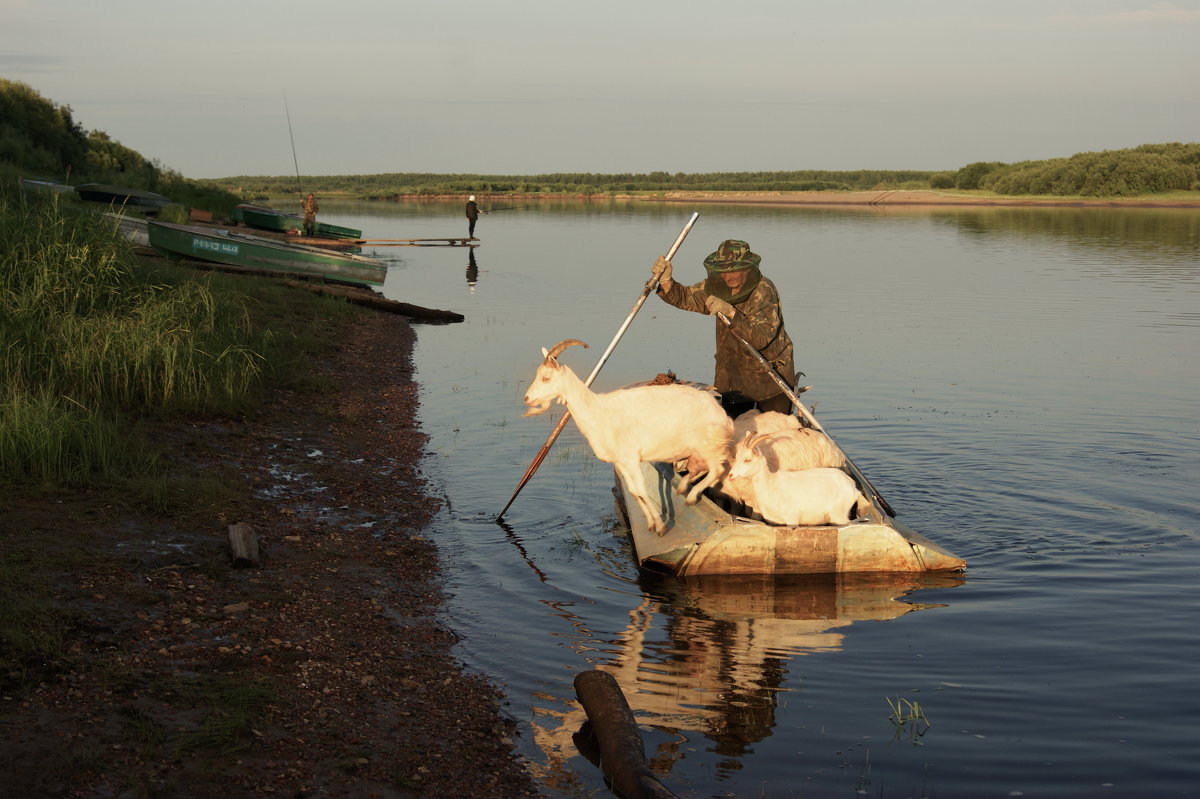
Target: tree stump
[622,752]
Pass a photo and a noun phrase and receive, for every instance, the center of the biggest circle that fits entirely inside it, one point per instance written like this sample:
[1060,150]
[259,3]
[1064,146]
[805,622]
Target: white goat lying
[784,444]
[645,423]
[806,496]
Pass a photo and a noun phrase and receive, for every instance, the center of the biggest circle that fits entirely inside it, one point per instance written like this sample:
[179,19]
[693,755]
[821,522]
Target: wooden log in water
[622,752]
[243,546]
[370,300]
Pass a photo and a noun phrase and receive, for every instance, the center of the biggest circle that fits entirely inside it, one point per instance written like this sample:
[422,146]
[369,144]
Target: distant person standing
[472,215]
[310,214]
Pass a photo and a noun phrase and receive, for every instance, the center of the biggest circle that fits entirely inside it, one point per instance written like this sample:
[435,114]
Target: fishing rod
[299,189]
[651,285]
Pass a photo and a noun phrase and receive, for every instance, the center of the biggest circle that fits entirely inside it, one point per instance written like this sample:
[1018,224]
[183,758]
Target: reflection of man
[472,269]
[310,214]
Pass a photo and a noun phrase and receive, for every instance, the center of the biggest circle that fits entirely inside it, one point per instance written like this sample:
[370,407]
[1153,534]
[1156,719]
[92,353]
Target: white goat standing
[822,495]
[625,427]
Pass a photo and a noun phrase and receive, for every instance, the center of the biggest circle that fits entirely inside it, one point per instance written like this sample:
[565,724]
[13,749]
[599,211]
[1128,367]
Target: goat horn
[557,349]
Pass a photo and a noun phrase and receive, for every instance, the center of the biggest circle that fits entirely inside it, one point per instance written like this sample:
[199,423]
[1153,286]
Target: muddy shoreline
[328,671]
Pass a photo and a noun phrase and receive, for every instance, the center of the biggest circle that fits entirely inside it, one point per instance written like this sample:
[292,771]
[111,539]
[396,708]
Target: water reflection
[472,269]
[711,655]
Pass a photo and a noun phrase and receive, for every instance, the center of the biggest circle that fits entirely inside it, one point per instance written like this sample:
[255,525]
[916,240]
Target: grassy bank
[101,351]
[98,341]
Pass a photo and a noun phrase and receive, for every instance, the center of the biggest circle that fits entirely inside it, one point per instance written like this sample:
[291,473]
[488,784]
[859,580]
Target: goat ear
[545,352]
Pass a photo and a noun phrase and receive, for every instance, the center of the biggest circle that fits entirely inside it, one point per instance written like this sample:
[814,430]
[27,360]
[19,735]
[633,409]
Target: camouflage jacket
[310,207]
[759,320]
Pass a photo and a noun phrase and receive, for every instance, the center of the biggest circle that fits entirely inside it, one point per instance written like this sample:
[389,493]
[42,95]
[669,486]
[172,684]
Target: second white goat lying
[806,496]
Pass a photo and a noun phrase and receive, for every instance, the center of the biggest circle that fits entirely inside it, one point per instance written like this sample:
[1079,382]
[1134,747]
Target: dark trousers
[736,404]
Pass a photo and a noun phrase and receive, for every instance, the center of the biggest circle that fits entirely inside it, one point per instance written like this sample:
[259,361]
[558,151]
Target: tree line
[40,138]
[43,137]
[1148,169]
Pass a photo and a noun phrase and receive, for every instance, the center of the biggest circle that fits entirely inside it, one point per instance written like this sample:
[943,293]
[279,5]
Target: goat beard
[537,408]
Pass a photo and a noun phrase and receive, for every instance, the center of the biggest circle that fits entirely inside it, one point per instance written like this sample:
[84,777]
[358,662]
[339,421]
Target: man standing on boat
[736,289]
[472,215]
[310,214]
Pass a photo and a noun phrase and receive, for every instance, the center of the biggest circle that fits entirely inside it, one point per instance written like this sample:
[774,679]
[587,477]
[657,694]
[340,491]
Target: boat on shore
[122,196]
[132,228]
[264,218]
[218,245]
[718,536]
[46,185]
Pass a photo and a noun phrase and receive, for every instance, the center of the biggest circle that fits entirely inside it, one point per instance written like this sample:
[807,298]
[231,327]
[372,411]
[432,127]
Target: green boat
[265,218]
[253,252]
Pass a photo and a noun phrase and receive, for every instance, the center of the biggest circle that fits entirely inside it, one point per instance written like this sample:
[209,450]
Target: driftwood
[320,285]
[369,300]
[243,546]
[622,752]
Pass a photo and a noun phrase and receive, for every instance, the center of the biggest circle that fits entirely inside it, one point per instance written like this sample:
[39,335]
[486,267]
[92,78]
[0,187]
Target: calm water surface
[1020,385]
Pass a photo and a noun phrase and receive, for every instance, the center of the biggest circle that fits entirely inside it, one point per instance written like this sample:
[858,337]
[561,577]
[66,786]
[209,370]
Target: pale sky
[539,86]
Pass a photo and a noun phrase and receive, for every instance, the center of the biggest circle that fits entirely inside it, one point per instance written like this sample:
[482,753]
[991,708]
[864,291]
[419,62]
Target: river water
[1020,384]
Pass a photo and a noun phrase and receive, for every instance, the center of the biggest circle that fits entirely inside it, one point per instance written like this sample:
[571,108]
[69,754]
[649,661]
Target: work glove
[716,305]
[661,271]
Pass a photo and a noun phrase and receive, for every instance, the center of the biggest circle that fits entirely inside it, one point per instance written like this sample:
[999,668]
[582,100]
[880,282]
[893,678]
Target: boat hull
[121,195]
[264,218]
[704,539]
[251,252]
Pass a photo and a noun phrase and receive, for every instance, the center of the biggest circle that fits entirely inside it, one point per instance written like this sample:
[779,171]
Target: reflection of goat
[644,423]
[804,496]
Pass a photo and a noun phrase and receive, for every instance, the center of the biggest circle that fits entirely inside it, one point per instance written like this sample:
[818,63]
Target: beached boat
[121,195]
[264,218]
[717,536]
[133,228]
[222,246]
[46,185]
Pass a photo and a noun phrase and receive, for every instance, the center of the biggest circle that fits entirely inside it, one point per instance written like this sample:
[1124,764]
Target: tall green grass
[92,339]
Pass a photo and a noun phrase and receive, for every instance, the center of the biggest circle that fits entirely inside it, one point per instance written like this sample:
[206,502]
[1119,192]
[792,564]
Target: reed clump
[92,340]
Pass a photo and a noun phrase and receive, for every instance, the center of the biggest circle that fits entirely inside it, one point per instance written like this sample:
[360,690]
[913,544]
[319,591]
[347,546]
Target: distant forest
[1148,169]
[41,138]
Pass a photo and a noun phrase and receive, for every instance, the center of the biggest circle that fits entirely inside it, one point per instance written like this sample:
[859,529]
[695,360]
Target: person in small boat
[735,288]
[310,214]
[472,215]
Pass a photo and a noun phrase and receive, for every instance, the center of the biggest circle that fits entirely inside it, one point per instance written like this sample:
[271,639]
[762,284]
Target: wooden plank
[368,300]
[243,546]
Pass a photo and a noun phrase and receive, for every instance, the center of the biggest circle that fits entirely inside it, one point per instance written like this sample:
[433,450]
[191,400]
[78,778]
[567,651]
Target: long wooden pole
[807,414]
[651,285]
